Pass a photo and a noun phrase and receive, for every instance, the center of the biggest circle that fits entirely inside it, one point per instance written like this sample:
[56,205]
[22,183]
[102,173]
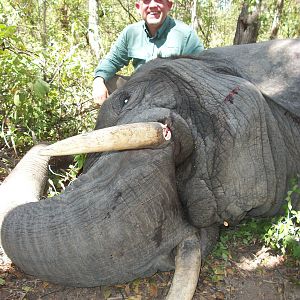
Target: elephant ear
[273,66]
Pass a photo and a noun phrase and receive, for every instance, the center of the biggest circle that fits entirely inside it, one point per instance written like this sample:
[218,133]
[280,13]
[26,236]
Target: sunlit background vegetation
[47,64]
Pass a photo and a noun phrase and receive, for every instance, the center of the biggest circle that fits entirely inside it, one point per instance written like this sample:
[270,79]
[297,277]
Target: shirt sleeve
[115,59]
[193,44]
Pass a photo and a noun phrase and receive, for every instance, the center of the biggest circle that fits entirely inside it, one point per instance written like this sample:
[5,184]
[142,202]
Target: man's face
[154,12]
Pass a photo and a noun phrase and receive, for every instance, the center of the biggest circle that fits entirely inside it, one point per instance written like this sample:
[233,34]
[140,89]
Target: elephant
[188,144]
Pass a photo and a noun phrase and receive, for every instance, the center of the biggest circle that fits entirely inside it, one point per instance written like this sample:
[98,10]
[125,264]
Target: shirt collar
[160,31]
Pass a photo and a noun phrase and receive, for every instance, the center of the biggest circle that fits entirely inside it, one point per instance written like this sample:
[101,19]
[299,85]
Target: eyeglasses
[148,1]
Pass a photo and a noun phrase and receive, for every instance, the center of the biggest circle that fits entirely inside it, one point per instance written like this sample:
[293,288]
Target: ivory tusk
[187,269]
[121,137]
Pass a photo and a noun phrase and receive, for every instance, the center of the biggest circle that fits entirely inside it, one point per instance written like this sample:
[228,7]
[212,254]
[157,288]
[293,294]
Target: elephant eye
[121,100]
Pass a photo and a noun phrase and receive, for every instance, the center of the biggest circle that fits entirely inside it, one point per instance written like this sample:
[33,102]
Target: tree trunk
[42,8]
[194,21]
[93,32]
[276,20]
[247,25]
[64,17]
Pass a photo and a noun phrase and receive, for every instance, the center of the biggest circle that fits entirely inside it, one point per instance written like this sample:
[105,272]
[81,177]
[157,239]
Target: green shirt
[135,43]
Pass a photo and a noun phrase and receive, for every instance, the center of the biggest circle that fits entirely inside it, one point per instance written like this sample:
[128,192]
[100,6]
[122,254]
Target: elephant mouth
[151,135]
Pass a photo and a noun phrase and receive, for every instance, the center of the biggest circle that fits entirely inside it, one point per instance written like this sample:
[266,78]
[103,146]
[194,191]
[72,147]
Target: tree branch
[127,10]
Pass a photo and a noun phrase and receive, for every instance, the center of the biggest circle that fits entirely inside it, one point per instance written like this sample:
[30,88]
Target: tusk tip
[167,133]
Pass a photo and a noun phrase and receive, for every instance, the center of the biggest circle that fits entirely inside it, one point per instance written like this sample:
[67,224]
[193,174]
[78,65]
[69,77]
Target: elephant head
[186,145]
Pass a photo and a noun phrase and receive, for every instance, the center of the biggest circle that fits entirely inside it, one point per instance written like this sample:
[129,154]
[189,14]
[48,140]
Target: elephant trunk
[26,182]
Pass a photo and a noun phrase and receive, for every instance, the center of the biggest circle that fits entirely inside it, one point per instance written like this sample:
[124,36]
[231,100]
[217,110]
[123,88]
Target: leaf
[106,292]
[153,290]
[295,246]
[136,285]
[219,271]
[127,289]
[7,31]
[2,281]
[229,271]
[216,278]
[17,101]
[26,289]
[40,88]
[225,256]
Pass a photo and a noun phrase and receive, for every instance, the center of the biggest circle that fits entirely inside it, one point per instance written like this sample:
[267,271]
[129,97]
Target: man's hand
[100,92]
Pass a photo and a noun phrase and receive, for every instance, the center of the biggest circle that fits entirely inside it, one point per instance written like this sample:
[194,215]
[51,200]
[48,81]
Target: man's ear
[137,6]
[170,4]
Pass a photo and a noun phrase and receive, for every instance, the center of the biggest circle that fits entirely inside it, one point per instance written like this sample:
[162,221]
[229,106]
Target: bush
[284,234]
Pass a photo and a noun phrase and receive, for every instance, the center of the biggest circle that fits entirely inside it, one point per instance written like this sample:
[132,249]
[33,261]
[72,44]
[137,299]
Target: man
[157,35]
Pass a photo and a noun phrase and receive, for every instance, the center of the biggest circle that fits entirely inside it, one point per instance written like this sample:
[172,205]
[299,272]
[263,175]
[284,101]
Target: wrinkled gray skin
[123,217]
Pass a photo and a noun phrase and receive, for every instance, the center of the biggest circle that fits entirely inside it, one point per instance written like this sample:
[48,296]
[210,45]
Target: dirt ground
[250,271]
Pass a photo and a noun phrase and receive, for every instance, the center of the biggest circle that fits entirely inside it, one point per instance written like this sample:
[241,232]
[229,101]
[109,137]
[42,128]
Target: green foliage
[2,281]
[245,233]
[289,22]
[42,98]
[280,233]
[284,234]
[216,20]
[221,250]
[59,181]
